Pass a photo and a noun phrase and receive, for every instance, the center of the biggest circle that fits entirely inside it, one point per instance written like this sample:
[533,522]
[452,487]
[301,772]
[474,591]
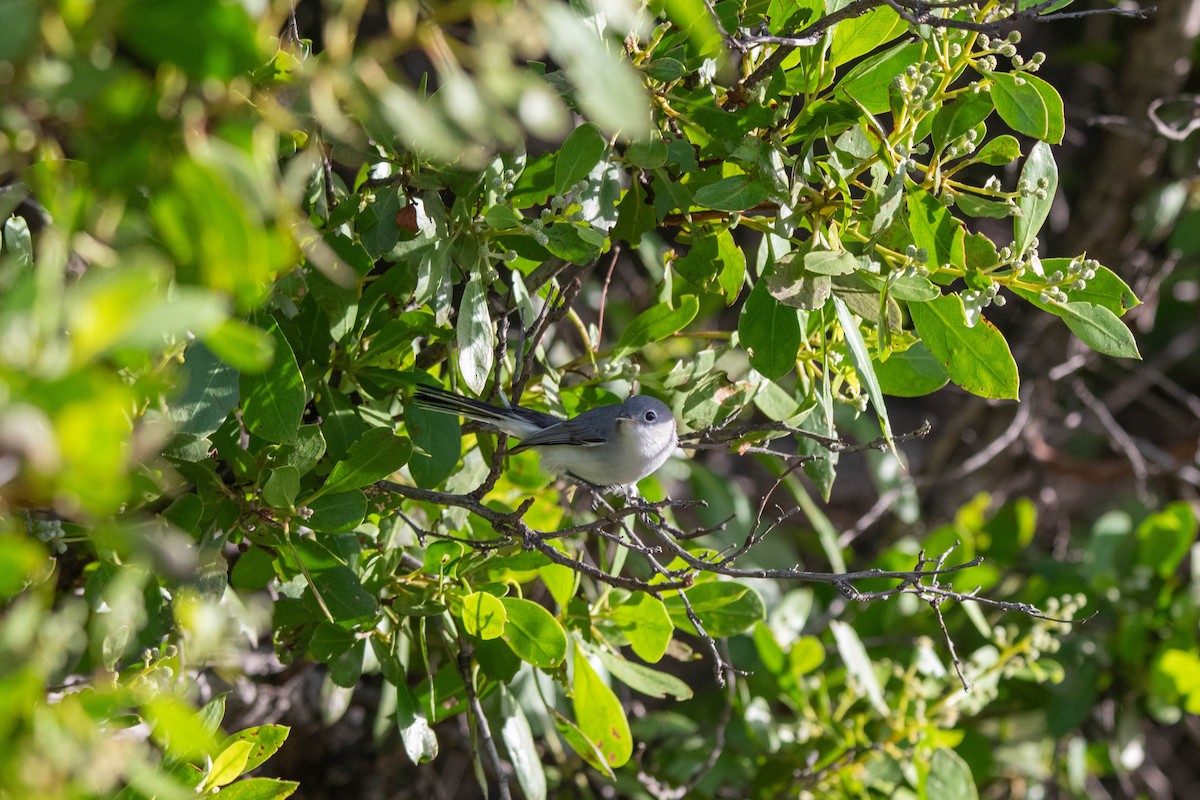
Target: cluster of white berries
[1079,271]
[504,182]
[1007,48]
[50,532]
[916,84]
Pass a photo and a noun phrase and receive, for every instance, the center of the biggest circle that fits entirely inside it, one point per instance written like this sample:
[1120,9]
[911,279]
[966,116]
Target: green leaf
[648,681]
[273,400]
[770,332]
[244,347]
[830,262]
[19,31]
[949,778]
[437,442]
[957,117]
[645,622]
[375,456]
[343,592]
[868,81]
[258,789]
[977,359]
[1105,289]
[599,713]
[732,261]
[975,206]
[581,151]
[1004,149]
[1096,326]
[475,337]
[911,373]
[806,654]
[933,227]
[725,608]
[858,665]
[694,18]
[1029,105]
[281,487]
[418,738]
[533,633]
[483,615]
[337,512]
[794,286]
[228,765]
[635,217]
[152,30]
[210,392]
[266,740]
[253,570]
[1039,171]
[655,324]
[522,749]
[858,36]
[860,357]
[1166,537]
[735,193]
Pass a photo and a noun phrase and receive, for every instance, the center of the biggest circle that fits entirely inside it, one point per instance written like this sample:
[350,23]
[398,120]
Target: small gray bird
[609,446]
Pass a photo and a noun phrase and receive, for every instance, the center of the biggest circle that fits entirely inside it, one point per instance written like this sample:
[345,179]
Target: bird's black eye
[650,416]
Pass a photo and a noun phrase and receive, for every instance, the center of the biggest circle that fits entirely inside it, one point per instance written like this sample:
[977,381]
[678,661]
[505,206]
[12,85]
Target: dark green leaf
[911,373]
[975,206]
[281,487]
[959,116]
[338,512]
[151,29]
[437,442]
[655,324]
[770,331]
[376,455]
[735,193]
[579,154]
[933,227]
[273,400]
[210,392]
[344,594]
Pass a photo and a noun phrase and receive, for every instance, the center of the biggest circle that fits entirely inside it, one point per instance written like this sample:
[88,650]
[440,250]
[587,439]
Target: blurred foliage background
[236,235]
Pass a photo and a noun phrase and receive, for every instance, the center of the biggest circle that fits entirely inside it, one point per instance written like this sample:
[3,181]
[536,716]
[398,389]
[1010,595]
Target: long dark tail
[433,399]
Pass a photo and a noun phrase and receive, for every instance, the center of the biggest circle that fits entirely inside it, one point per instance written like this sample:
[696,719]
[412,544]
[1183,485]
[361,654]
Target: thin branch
[487,745]
[1120,438]
[915,12]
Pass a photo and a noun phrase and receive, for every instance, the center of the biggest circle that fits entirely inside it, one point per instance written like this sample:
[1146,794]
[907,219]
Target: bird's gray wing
[568,432]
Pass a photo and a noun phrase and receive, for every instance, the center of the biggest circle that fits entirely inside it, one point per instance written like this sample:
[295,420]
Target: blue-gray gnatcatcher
[614,445]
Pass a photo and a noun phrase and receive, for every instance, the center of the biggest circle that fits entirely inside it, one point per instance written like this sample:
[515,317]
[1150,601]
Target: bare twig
[486,745]
[1120,438]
